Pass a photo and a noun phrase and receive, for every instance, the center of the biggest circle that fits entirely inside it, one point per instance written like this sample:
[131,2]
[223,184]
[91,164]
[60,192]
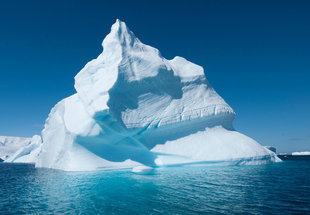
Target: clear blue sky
[256,54]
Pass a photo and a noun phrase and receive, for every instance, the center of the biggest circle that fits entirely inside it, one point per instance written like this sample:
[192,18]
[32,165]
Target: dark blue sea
[281,188]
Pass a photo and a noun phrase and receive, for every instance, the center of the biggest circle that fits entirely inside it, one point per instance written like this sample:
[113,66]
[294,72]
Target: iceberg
[135,109]
[9,145]
[27,153]
[301,153]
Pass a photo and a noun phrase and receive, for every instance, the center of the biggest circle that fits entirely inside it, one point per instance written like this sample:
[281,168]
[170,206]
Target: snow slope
[9,145]
[135,108]
[28,153]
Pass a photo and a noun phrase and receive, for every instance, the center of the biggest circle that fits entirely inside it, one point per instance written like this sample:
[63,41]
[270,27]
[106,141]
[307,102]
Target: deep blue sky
[256,54]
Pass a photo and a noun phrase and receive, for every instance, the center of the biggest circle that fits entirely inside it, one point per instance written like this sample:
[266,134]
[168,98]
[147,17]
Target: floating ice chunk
[142,169]
[301,153]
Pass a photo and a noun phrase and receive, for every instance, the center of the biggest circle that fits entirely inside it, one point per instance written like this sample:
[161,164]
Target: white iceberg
[27,153]
[300,153]
[10,145]
[135,108]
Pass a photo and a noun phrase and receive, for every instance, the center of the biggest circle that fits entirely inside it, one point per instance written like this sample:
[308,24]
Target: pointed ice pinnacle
[120,30]
[129,74]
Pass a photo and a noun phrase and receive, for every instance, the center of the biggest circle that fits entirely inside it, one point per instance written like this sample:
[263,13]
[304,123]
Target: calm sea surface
[282,188]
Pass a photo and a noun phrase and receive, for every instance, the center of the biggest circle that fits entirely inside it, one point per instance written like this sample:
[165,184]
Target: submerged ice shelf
[134,108]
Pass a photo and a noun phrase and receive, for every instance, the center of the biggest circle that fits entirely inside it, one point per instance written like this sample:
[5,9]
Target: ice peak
[121,33]
[119,26]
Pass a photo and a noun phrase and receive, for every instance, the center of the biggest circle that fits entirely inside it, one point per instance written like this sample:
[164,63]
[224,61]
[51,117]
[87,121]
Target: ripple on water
[276,188]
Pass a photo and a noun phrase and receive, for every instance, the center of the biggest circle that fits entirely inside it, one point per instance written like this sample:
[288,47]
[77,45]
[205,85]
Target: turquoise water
[282,188]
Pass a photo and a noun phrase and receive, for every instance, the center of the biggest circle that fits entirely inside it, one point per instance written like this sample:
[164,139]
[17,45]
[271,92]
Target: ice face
[135,84]
[135,108]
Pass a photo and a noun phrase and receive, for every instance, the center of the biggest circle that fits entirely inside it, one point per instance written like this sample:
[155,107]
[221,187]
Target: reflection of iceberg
[133,108]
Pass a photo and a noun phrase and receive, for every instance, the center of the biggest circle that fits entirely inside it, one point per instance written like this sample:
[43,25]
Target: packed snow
[135,109]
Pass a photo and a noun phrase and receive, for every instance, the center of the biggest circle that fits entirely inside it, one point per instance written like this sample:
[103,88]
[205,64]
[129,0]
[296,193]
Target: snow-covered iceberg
[9,145]
[135,108]
[18,149]
[28,153]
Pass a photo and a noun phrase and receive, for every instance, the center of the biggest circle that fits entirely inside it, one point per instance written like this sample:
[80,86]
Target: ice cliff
[133,107]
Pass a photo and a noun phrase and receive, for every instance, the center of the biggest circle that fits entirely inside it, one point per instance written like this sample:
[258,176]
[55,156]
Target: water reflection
[178,190]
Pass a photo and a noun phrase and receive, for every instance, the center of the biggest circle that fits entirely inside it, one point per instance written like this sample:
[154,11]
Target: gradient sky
[256,54]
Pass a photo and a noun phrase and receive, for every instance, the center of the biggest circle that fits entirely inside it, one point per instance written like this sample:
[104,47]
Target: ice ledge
[186,116]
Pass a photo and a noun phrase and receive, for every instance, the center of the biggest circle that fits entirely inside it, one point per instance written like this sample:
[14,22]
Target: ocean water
[281,188]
